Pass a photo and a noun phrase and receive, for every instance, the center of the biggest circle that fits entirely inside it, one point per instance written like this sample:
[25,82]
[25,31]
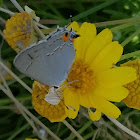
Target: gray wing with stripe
[46,62]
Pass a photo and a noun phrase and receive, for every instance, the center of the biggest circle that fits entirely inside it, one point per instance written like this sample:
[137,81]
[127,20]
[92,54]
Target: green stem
[6,11]
[38,31]
[125,129]
[14,107]
[126,25]
[90,11]
[130,38]
[7,101]
[108,126]
[95,134]
[16,77]
[19,108]
[89,123]
[133,54]
[88,136]
[114,22]
[12,13]
[29,113]
[20,9]
[73,130]
[94,9]
[18,131]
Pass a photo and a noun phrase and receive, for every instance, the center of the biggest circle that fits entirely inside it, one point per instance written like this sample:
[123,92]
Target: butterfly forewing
[48,61]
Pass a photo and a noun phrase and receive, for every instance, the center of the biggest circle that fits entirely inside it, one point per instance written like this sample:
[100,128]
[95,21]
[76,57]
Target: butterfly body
[49,60]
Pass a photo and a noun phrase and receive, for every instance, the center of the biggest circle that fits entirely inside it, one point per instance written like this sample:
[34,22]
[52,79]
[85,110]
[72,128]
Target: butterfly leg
[72,81]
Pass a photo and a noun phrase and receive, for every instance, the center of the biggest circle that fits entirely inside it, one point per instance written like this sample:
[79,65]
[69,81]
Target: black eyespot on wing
[75,36]
[66,34]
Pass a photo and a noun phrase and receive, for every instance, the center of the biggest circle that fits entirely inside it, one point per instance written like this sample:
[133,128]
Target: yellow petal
[101,40]
[72,103]
[116,77]
[107,57]
[87,33]
[115,94]
[94,116]
[74,25]
[104,106]
[72,112]
[84,100]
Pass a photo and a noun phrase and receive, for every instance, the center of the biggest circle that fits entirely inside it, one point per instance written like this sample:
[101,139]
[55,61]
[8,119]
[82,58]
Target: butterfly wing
[47,61]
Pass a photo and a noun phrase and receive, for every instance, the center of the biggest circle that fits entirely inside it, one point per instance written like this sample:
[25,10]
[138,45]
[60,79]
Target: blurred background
[13,126]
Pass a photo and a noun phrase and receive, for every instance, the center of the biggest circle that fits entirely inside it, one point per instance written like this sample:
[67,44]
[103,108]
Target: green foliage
[13,126]
[1,2]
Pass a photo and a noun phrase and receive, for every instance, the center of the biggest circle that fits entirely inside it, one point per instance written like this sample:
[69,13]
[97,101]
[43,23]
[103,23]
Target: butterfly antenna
[71,19]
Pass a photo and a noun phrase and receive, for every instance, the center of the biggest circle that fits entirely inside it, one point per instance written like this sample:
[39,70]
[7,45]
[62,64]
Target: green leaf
[1,2]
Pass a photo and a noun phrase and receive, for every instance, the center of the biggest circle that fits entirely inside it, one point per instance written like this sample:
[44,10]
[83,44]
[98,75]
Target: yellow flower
[54,113]
[92,81]
[133,98]
[19,32]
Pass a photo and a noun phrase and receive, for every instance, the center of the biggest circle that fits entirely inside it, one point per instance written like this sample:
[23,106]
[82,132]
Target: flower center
[81,78]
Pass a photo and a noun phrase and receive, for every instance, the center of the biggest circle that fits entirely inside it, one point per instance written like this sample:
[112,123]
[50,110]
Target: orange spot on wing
[65,37]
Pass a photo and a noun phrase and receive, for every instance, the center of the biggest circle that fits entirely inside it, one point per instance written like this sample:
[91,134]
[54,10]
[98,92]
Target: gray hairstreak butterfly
[49,60]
